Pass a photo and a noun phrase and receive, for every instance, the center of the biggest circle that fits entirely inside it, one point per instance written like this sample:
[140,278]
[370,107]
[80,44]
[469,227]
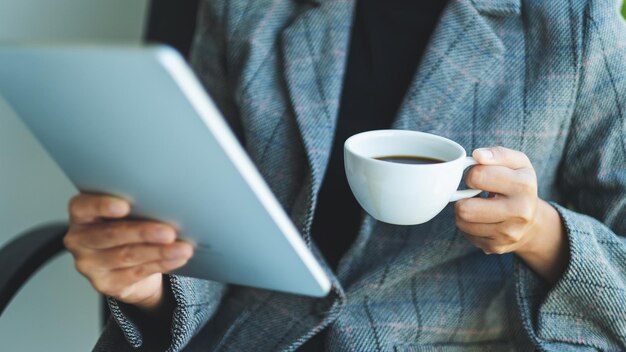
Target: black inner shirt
[388,39]
[387,42]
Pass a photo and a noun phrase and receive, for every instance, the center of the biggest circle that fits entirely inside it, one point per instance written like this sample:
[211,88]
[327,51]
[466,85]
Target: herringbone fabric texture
[544,77]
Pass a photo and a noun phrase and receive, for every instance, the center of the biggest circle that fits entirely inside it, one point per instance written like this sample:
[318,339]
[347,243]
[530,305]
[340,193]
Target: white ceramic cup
[405,194]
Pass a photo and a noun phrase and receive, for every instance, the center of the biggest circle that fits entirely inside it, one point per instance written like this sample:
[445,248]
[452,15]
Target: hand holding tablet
[123,259]
[134,122]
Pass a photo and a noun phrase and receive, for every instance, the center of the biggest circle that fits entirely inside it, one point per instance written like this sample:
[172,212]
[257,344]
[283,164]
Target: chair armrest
[25,254]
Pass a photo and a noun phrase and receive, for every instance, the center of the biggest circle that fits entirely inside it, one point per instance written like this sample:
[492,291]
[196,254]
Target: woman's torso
[275,69]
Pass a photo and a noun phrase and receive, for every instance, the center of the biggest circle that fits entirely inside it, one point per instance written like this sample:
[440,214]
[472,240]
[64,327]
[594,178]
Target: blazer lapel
[314,49]
[461,51]
[263,39]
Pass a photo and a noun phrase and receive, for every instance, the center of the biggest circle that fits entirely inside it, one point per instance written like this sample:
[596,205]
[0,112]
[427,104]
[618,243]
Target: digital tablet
[135,122]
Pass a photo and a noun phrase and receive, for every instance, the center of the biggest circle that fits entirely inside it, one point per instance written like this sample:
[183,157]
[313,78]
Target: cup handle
[466,193]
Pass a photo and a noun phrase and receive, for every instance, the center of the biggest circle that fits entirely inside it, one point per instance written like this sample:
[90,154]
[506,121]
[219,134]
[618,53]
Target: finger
[85,208]
[487,245]
[486,231]
[482,210]
[116,280]
[133,255]
[502,180]
[122,284]
[502,234]
[502,156]
[483,243]
[114,234]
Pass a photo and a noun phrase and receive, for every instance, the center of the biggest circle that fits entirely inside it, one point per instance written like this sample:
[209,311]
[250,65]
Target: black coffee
[409,159]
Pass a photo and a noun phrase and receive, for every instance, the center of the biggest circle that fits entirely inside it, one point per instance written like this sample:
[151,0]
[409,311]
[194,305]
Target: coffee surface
[409,159]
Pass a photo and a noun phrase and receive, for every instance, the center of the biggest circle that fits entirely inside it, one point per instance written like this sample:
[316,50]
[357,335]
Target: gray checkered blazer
[540,76]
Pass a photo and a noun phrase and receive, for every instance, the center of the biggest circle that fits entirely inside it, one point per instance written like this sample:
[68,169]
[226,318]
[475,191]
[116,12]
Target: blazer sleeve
[196,301]
[586,308]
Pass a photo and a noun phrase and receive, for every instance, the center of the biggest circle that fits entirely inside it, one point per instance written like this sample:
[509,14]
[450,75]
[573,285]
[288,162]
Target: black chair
[21,257]
[170,22]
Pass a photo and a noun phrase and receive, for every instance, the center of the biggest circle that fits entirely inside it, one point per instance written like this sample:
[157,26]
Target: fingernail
[178,252]
[484,153]
[118,208]
[163,234]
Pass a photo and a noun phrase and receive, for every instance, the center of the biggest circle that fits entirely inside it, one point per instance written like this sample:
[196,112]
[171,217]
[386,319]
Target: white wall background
[57,310]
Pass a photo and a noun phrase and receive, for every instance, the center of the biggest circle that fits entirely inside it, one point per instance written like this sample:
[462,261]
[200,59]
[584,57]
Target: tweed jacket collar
[311,40]
[313,43]
[315,46]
